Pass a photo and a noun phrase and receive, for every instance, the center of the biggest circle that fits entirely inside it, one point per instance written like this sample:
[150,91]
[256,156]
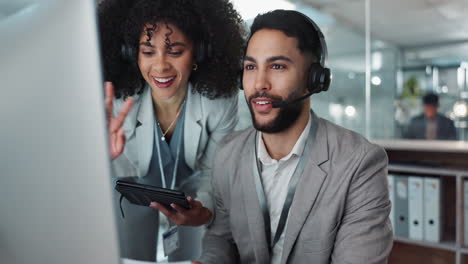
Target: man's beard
[286,117]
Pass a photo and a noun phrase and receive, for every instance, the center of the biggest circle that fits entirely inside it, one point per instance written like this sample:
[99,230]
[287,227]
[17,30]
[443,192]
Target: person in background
[431,124]
[172,66]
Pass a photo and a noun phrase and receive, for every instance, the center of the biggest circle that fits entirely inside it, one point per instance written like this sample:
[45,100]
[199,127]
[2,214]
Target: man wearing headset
[297,188]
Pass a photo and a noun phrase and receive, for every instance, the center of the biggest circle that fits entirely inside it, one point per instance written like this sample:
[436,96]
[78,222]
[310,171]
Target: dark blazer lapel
[252,205]
[307,190]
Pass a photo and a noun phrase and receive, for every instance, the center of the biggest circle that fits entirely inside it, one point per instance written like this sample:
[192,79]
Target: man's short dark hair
[431,99]
[293,25]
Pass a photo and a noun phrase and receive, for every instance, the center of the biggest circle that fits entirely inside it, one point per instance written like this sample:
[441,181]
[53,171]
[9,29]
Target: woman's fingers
[117,144]
[115,124]
[109,95]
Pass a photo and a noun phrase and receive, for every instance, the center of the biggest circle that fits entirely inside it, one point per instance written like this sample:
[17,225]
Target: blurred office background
[385,55]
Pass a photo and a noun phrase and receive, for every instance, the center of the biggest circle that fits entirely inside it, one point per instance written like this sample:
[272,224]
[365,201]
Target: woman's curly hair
[215,23]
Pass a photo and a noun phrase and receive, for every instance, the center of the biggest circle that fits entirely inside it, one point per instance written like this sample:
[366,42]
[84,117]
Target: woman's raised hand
[115,124]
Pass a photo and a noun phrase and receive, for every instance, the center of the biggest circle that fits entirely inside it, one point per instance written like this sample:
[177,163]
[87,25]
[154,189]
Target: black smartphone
[141,194]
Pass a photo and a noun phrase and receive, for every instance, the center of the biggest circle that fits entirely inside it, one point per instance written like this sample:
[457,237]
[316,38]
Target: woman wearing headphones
[173,65]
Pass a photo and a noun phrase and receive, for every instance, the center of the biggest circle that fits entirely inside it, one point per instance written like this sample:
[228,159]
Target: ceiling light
[444,89]
[460,109]
[350,111]
[335,110]
[376,61]
[376,80]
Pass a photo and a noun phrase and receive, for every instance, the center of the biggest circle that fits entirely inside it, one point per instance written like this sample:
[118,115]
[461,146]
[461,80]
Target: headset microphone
[285,103]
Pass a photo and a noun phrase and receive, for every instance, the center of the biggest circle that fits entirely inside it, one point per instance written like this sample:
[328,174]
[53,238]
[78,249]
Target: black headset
[202,51]
[319,75]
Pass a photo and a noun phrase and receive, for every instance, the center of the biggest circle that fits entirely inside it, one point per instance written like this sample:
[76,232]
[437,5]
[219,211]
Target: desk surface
[132,261]
[447,146]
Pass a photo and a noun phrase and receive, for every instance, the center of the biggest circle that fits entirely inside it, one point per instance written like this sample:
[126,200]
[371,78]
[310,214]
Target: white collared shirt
[275,179]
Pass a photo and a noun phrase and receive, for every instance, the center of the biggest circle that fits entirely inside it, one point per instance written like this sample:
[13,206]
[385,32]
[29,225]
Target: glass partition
[427,54]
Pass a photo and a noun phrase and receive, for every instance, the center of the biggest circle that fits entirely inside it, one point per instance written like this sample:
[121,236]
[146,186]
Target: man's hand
[196,262]
[196,216]
[114,124]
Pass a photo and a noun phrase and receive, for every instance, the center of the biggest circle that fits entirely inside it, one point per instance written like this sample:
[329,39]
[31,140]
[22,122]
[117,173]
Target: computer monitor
[55,186]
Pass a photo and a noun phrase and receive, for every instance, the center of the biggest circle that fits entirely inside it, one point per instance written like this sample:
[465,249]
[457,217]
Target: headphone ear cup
[203,52]
[126,53]
[200,52]
[319,78]
[241,78]
[327,79]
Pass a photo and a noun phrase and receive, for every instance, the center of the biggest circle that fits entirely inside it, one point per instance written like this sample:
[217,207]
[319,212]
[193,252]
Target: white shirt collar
[297,149]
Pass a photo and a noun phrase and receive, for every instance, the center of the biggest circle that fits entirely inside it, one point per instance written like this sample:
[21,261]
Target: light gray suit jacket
[339,213]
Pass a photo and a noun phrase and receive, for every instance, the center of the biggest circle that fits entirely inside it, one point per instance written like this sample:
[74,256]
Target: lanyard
[291,186]
[174,172]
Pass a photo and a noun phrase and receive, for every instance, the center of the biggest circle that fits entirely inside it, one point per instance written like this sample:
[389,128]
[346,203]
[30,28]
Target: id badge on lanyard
[171,240]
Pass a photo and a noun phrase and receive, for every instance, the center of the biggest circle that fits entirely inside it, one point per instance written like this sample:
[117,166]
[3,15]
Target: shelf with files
[443,168]
[424,203]
[448,181]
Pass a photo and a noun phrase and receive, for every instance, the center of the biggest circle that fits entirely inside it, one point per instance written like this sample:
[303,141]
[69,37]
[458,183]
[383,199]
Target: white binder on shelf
[401,206]
[391,192]
[465,211]
[432,223]
[415,207]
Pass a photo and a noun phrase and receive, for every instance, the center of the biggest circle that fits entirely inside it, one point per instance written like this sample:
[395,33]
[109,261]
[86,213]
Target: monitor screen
[55,186]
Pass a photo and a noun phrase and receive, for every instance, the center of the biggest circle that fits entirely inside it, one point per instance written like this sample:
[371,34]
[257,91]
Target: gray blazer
[339,213]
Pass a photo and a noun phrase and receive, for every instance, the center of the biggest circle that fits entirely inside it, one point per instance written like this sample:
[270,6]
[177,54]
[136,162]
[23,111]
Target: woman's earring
[194,67]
